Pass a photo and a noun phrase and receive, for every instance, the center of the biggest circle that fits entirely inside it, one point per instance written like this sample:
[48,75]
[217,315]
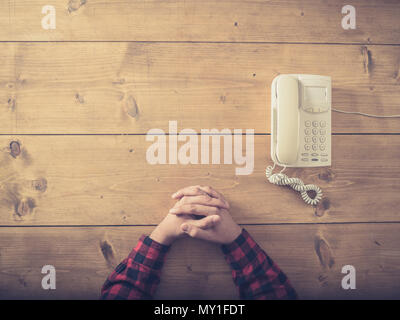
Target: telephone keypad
[315,140]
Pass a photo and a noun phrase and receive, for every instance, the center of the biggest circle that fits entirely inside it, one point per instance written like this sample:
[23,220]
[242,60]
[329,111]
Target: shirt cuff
[242,251]
[149,253]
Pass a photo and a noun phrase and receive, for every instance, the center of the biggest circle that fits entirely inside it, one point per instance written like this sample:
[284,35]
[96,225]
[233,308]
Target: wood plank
[133,87]
[196,269]
[101,180]
[191,20]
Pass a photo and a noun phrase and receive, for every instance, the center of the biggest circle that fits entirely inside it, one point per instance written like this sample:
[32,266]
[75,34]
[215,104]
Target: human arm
[138,275]
[254,273]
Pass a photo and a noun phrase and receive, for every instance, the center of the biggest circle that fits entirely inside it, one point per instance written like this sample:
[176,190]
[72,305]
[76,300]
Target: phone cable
[367,114]
[297,184]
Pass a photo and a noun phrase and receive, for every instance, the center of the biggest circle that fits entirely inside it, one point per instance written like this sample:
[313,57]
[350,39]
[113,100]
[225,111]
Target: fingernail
[185,227]
[174,195]
[172,210]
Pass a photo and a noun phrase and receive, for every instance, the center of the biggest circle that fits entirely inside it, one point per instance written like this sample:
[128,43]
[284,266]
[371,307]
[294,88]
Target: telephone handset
[300,128]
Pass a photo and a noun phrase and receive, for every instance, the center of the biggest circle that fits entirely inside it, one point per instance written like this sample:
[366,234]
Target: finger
[204,200]
[214,193]
[189,191]
[210,191]
[199,190]
[196,209]
[207,222]
[196,232]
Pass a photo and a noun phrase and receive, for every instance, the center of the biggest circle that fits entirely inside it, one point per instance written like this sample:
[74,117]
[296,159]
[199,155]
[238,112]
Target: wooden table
[76,103]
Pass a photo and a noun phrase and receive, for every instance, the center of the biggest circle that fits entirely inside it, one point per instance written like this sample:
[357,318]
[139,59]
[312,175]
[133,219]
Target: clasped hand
[200,212]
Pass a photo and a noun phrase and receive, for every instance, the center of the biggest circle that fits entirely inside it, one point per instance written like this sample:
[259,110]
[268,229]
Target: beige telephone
[301,120]
[300,128]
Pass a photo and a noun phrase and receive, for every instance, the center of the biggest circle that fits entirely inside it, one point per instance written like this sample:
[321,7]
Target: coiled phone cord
[297,184]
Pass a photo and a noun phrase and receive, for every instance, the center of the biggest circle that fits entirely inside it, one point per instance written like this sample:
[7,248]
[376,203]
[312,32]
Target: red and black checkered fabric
[254,273]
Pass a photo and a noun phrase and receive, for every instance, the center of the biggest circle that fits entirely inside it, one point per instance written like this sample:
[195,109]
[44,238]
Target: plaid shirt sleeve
[253,271]
[137,276]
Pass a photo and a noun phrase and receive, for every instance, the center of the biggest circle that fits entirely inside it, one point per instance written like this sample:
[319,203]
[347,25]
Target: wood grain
[311,255]
[191,20]
[133,87]
[101,180]
[67,198]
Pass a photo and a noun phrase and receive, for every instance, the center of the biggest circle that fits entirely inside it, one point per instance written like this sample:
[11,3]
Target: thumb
[205,223]
[196,232]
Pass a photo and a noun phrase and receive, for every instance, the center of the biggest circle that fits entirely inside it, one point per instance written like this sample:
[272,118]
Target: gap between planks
[204,42]
[189,134]
[154,225]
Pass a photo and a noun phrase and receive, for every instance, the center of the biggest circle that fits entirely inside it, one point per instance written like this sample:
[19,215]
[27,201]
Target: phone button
[315,131]
[323,123]
[314,154]
[322,147]
[304,159]
[314,147]
[306,147]
[304,154]
[322,139]
[307,139]
[314,159]
[324,160]
[314,139]
[324,154]
[315,123]
[308,123]
[322,131]
[307,131]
